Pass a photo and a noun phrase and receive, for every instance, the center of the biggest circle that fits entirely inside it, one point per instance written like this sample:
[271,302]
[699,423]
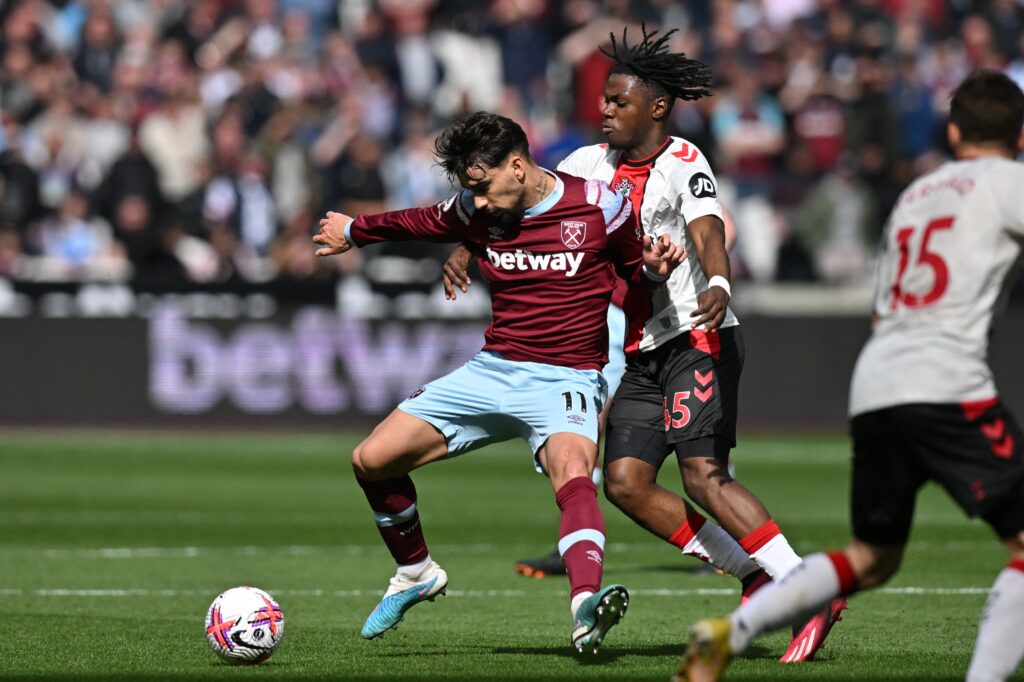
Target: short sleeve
[1011,207]
[574,164]
[698,189]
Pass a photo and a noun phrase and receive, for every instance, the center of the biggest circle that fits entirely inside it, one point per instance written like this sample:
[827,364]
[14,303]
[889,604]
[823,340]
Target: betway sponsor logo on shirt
[567,262]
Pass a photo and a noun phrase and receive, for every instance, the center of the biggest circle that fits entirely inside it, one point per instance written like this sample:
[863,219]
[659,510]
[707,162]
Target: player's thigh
[886,478]
[547,400]
[700,382]
[636,421]
[565,456]
[975,452]
[628,481]
[399,444]
[465,406]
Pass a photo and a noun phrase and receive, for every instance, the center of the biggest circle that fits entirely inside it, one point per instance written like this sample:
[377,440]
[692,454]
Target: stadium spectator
[72,244]
[77,78]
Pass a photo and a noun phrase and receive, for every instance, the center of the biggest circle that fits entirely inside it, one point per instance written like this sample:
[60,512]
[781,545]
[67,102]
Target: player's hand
[332,234]
[661,256]
[454,272]
[711,306]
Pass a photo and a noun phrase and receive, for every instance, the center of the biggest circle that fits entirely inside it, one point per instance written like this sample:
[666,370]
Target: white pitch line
[191,552]
[697,592]
[239,551]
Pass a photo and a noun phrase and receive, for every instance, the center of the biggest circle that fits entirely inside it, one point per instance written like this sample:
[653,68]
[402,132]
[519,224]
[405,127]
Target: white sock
[413,571]
[806,589]
[577,600]
[714,545]
[1000,646]
[776,557]
[597,476]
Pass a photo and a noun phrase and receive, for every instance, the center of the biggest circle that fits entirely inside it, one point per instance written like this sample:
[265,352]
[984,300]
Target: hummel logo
[595,556]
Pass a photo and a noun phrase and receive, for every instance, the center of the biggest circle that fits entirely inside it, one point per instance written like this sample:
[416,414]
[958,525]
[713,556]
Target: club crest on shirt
[624,186]
[573,233]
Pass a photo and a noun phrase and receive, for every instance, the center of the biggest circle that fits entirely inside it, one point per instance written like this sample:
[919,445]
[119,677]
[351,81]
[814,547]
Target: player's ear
[659,108]
[953,135]
[1020,142]
[518,165]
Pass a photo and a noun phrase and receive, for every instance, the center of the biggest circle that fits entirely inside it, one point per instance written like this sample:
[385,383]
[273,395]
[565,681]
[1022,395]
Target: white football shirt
[678,187]
[947,248]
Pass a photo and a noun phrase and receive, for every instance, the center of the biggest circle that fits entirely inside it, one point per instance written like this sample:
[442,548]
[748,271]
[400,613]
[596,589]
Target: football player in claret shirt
[923,404]
[550,247]
[683,345]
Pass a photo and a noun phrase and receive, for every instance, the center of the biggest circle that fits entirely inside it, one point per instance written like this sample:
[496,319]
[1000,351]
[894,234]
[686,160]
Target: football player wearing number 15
[923,403]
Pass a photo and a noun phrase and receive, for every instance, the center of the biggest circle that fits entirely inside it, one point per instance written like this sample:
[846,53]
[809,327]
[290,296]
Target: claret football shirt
[551,275]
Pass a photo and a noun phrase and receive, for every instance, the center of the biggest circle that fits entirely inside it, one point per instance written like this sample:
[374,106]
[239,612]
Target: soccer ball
[244,625]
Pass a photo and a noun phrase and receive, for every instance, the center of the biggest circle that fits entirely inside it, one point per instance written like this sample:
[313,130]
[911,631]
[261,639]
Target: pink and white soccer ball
[244,625]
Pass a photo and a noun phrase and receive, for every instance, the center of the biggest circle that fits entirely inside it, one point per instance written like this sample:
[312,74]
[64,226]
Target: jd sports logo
[701,186]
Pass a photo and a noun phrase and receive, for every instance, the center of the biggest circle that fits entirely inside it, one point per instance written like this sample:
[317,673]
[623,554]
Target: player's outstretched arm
[708,235]
[661,256]
[331,236]
[455,272]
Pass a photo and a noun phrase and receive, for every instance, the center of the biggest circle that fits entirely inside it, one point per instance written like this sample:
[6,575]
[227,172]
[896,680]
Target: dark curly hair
[479,140]
[988,107]
[666,74]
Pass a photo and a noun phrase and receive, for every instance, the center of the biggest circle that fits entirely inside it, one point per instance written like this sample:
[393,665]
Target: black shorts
[680,396]
[975,451]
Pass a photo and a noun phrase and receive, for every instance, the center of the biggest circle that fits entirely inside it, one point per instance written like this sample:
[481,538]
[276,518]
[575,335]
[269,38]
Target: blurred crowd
[171,142]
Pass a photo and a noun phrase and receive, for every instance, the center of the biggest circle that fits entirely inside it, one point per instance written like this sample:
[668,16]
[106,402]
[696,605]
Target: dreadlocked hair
[671,74]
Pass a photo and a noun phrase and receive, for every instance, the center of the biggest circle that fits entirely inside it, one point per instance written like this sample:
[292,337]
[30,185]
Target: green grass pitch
[112,545]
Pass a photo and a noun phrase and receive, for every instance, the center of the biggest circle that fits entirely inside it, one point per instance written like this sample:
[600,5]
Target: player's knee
[623,492]
[873,565]
[368,461]
[698,476]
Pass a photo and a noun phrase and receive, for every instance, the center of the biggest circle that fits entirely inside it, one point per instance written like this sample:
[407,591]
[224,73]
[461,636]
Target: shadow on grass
[602,657]
[677,568]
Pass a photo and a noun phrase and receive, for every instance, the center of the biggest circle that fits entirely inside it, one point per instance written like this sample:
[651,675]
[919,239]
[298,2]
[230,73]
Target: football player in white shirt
[923,404]
[684,347]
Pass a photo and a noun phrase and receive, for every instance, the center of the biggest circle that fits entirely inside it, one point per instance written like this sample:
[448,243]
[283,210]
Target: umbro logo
[495,232]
